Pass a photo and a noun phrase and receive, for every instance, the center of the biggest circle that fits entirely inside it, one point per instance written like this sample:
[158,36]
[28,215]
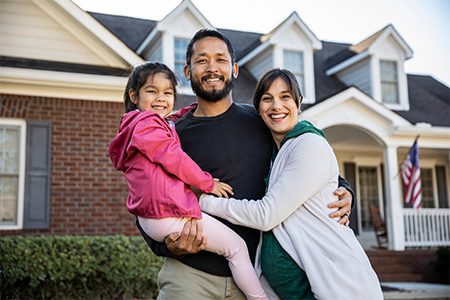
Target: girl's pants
[221,240]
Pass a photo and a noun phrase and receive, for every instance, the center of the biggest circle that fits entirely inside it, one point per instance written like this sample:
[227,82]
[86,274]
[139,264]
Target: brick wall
[87,196]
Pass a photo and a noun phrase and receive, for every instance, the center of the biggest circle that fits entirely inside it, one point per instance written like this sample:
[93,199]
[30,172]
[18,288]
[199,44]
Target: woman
[301,183]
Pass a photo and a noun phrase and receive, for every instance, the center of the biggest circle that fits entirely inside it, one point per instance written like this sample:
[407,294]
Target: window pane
[388,71]
[426,179]
[180,74]
[180,60]
[180,50]
[8,198]
[293,61]
[389,92]
[368,187]
[389,85]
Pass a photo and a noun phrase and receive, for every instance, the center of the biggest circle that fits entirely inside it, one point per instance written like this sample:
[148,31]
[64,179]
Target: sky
[423,24]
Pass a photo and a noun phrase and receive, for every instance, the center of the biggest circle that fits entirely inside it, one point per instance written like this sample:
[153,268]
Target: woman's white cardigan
[303,179]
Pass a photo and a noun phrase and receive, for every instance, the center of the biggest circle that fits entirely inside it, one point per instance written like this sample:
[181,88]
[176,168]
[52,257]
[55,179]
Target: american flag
[411,177]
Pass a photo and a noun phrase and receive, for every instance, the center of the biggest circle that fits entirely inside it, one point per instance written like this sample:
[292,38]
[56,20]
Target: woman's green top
[285,277]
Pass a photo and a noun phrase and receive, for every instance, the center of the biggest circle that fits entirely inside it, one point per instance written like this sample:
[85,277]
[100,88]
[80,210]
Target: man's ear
[187,72]
[235,70]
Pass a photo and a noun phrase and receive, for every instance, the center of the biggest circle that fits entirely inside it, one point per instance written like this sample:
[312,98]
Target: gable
[45,31]
[185,25]
[292,38]
[353,107]
[389,49]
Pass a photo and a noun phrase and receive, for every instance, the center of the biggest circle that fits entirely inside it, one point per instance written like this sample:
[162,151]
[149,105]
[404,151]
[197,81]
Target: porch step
[401,266]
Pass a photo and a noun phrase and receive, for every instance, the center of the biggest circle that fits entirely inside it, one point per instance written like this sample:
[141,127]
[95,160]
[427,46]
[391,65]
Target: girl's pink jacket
[148,150]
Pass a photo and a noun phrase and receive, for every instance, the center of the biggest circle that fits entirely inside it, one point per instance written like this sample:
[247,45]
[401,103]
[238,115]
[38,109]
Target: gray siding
[358,75]
[261,63]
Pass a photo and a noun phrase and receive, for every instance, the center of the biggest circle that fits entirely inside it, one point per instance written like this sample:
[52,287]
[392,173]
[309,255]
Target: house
[63,71]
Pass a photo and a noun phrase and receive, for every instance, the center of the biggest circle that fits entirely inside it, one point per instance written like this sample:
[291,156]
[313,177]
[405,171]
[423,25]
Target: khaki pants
[178,281]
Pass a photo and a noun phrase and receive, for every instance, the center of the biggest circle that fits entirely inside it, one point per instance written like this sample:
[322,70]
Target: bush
[77,267]
[441,266]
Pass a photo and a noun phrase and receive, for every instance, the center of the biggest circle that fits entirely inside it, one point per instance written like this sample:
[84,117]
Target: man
[232,143]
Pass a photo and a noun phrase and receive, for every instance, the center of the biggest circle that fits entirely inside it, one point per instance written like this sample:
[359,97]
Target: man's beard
[215,95]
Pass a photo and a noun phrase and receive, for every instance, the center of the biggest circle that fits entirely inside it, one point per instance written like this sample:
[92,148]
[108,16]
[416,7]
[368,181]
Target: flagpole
[400,168]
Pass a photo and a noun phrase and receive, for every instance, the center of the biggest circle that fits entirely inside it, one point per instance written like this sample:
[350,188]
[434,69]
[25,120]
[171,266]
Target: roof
[242,41]
[429,101]
[24,63]
[131,31]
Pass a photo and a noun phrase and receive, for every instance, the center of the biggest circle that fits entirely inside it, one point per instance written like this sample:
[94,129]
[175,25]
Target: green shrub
[441,266]
[77,267]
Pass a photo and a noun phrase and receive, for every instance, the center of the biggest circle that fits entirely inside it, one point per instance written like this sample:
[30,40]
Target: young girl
[147,149]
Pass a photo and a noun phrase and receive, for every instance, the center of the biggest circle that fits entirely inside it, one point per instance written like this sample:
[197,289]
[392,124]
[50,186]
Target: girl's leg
[159,229]
[224,241]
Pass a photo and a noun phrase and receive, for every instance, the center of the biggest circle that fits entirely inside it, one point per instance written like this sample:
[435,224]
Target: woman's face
[278,110]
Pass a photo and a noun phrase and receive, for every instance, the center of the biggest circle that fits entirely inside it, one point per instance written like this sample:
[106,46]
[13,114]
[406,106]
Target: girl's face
[157,95]
[278,110]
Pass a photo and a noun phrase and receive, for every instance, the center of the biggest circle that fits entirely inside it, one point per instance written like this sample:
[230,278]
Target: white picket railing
[427,227]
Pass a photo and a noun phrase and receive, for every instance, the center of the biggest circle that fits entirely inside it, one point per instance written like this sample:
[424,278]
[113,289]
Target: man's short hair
[204,33]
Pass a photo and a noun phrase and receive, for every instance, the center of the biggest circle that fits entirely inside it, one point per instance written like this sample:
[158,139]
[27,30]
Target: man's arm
[345,203]
[176,245]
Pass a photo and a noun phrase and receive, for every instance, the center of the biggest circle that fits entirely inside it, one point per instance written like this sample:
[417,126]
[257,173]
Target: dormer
[168,39]
[376,66]
[290,45]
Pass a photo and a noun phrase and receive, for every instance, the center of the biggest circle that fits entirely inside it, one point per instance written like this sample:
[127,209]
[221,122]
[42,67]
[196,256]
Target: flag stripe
[410,173]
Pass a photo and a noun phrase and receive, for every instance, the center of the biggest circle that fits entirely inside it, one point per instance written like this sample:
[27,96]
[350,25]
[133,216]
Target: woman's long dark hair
[269,77]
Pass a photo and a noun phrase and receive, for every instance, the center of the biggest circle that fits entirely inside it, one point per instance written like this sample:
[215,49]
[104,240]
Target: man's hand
[189,241]
[344,205]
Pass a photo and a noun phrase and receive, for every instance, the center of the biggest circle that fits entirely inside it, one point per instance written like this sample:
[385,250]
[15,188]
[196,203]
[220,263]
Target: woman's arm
[306,172]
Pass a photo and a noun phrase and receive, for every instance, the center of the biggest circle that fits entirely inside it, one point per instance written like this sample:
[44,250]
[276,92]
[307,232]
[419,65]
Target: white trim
[21,180]
[61,84]
[346,63]
[162,26]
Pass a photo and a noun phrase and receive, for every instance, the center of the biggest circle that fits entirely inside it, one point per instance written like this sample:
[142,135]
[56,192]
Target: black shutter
[350,176]
[442,186]
[37,176]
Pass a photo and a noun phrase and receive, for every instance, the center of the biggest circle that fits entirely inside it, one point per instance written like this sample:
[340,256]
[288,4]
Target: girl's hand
[221,189]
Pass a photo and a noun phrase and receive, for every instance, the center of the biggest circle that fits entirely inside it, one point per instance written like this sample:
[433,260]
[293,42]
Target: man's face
[211,73]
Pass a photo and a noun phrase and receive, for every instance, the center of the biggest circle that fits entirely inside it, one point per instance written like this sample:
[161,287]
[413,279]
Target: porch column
[394,209]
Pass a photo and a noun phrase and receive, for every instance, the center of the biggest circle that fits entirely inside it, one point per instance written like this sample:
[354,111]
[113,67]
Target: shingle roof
[34,64]
[326,86]
[243,42]
[353,50]
[131,31]
[429,101]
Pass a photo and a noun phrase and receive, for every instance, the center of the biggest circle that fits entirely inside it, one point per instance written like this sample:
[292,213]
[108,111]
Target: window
[426,178]
[293,61]
[11,173]
[389,84]
[368,189]
[9,170]
[180,60]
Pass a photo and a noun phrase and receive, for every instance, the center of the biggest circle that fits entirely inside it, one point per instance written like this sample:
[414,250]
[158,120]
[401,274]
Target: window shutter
[37,176]
[441,187]
[349,169]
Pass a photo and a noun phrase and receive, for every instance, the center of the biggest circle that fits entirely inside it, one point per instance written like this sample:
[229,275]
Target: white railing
[427,227]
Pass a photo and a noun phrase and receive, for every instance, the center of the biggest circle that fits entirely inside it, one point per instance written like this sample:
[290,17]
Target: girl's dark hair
[269,77]
[139,76]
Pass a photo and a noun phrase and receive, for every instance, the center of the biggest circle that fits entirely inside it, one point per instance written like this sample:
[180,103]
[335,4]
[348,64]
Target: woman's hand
[344,206]
[189,241]
[221,189]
